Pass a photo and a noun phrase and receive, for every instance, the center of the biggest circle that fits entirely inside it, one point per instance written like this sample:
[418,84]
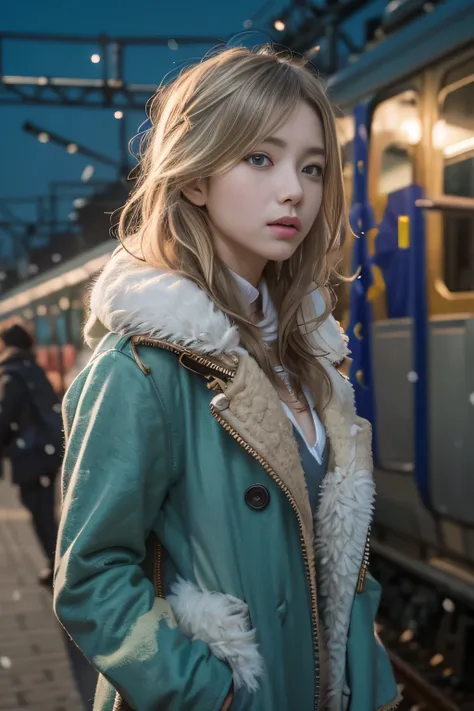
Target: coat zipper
[157,581]
[286,491]
[365,564]
[183,354]
[392,705]
[217,384]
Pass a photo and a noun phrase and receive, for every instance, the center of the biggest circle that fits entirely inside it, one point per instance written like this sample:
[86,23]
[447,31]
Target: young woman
[212,422]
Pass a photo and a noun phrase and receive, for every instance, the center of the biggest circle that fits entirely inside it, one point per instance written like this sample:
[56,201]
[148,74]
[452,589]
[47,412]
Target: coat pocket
[222,621]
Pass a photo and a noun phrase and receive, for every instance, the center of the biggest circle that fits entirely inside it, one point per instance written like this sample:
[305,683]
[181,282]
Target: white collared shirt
[269,325]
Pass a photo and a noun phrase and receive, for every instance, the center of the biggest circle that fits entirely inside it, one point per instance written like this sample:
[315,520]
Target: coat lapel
[255,412]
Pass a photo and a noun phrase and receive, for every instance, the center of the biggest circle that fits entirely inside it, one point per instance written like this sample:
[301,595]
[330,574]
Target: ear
[196,192]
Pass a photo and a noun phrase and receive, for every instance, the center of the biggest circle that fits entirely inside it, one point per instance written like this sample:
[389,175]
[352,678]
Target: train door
[395,167]
[396,180]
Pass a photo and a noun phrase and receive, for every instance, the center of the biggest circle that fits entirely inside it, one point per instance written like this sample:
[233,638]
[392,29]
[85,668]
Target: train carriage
[53,306]
[407,141]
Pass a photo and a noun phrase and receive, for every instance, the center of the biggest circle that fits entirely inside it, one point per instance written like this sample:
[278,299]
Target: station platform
[38,664]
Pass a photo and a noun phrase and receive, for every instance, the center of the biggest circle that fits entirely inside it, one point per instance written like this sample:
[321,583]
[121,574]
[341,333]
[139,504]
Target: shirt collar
[248,291]
[249,295]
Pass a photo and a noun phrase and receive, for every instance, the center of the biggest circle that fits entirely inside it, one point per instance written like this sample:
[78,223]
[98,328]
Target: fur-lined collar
[133,298]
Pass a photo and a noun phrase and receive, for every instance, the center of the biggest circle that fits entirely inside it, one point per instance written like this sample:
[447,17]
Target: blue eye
[314,170]
[258,160]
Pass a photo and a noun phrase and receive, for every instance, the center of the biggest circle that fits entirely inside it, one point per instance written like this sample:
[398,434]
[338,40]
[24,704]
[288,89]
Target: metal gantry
[109,91]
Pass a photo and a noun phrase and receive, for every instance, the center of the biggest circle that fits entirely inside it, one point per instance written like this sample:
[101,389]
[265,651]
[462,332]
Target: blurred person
[30,427]
[30,434]
[217,482]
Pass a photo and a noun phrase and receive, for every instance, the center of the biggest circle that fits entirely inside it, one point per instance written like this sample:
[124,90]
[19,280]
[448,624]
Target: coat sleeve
[116,473]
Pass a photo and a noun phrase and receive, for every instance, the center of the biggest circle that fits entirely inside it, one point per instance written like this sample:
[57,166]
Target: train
[416,90]
[405,117]
[406,130]
[53,306]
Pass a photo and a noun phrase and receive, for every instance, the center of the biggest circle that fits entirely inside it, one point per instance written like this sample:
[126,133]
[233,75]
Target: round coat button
[257,497]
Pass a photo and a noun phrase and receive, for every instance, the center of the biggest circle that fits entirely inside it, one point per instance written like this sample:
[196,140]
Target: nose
[291,189]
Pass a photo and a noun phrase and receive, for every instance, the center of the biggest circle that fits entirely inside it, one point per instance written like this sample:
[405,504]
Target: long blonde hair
[203,123]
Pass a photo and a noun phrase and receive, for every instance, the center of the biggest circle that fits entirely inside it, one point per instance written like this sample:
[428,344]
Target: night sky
[28,167]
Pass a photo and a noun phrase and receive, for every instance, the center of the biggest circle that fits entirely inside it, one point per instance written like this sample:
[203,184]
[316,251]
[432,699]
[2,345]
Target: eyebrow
[280,143]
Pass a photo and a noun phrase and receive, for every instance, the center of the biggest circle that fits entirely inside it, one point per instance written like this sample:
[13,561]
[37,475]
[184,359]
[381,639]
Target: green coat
[196,450]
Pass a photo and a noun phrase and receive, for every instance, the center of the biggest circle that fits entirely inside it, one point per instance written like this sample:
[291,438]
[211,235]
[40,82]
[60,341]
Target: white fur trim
[132,298]
[329,336]
[340,540]
[341,525]
[223,622]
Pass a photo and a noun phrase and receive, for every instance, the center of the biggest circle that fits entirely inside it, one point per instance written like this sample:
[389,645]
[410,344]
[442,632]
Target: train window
[396,171]
[458,73]
[396,129]
[453,134]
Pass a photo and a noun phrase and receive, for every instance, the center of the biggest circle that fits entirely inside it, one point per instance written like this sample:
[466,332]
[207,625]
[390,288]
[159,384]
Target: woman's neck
[252,275]
[247,265]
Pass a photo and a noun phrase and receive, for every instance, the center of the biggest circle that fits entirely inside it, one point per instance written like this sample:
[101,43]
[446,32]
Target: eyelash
[312,165]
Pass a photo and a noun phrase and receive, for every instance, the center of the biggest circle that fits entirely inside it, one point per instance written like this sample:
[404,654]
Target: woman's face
[280,180]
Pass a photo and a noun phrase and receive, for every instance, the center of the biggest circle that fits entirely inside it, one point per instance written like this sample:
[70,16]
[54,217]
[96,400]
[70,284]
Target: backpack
[37,447]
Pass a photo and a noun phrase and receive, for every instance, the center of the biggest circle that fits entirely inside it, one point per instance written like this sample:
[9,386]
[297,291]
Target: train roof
[70,273]
[420,43]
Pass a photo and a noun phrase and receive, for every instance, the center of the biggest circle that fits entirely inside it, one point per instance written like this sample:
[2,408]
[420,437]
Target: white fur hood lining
[132,298]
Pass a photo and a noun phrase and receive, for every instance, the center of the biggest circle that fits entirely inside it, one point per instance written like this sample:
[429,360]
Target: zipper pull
[216,384]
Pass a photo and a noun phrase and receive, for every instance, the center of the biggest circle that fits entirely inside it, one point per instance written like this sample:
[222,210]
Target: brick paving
[35,671]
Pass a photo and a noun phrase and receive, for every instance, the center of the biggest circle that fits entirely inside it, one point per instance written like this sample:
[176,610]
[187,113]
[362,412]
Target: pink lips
[286,227]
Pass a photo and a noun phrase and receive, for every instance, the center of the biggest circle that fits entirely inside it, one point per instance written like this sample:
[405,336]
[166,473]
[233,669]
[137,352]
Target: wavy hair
[203,123]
